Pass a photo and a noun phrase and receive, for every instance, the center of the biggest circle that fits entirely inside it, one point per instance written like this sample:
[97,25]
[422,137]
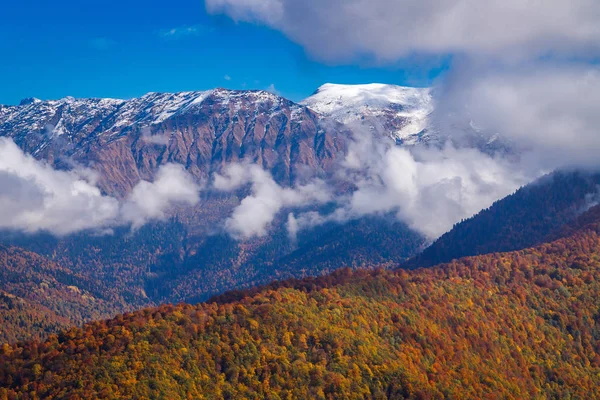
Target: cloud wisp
[155,139]
[35,197]
[257,211]
[180,32]
[150,200]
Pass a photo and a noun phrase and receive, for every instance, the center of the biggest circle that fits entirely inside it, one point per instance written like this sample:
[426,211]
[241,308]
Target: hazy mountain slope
[164,262]
[521,220]
[514,325]
[371,241]
[221,263]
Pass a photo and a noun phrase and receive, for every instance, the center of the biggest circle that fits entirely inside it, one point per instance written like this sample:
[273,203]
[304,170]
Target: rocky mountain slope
[125,140]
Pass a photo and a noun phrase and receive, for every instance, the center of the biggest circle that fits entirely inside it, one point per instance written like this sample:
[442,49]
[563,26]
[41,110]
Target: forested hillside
[24,319]
[530,216]
[126,271]
[515,325]
[39,296]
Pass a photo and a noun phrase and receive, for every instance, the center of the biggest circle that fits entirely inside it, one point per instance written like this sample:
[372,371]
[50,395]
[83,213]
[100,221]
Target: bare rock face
[127,140]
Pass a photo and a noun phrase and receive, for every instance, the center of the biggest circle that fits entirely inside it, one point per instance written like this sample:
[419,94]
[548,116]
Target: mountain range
[126,140]
[187,257]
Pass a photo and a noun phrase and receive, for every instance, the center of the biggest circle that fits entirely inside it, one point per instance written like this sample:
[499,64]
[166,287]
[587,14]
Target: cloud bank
[548,109]
[430,189]
[35,197]
[522,69]
[386,30]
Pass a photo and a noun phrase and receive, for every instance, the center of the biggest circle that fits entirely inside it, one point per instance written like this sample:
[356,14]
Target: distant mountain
[523,324]
[530,216]
[126,140]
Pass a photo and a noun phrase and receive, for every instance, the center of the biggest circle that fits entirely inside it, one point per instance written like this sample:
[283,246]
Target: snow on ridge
[155,108]
[348,103]
[408,108]
[59,117]
[329,98]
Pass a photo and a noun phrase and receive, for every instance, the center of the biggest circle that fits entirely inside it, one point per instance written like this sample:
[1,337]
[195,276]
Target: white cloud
[524,69]
[227,77]
[386,30]
[432,189]
[272,89]
[552,110]
[35,197]
[158,139]
[428,188]
[182,31]
[258,210]
[150,200]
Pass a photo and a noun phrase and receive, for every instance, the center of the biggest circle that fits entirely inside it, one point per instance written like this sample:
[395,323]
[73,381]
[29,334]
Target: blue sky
[126,48]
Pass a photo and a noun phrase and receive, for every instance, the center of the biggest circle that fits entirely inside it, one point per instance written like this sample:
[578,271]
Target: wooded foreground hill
[524,324]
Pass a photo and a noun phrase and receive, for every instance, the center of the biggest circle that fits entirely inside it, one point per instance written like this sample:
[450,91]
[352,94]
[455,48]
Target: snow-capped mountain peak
[405,108]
